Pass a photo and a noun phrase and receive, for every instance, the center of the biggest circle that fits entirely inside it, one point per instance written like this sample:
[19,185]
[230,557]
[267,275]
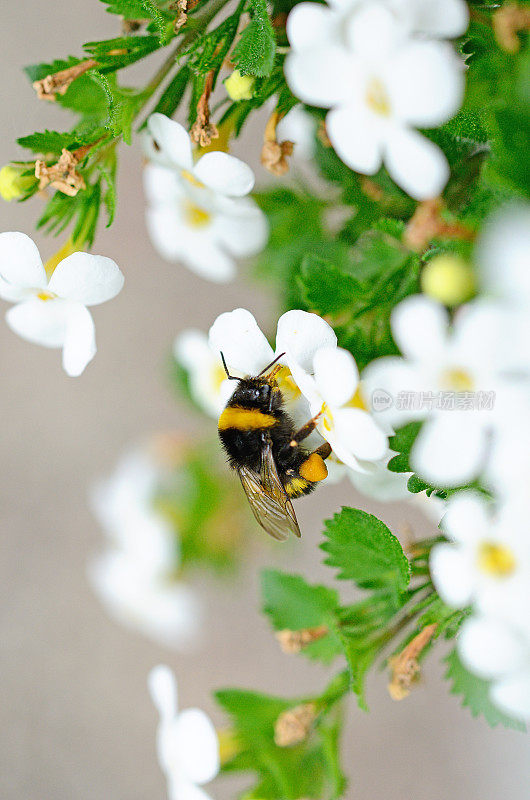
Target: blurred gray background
[75,717]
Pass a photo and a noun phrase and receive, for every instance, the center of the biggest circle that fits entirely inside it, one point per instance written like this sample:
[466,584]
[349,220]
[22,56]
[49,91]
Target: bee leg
[304,432]
[324,451]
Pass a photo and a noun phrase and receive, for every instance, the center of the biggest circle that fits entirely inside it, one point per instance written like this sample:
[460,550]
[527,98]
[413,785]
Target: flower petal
[20,265]
[393,388]
[244,232]
[444,20]
[80,340]
[237,335]
[415,163]
[225,174]
[161,185]
[452,575]
[419,327]
[355,138]
[173,144]
[162,686]
[466,518]
[426,83]
[198,746]
[336,375]
[489,648]
[313,75]
[450,449]
[300,334]
[206,258]
[87,279]
[512,694]
[41,322]
[308,25]
[358,433]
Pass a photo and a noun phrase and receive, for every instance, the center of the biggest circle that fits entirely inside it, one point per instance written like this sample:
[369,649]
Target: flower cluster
[383,71]
[136,576]
[468,381]
[198,212]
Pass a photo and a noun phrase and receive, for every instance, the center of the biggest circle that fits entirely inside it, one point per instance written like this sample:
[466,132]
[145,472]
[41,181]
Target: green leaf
[48,141]
[363,550]
[401,443]
[172,95]
[109,197]
[36,72]
[325,288]
[254,53]
[293,604]
[113,54]
[475,694]
[310,769]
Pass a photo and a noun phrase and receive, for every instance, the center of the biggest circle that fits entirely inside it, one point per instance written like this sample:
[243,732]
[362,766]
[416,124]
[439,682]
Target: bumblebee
[264,447]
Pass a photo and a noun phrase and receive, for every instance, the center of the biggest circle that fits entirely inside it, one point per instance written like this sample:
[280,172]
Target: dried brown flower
[62,175]
[58,83]
[405,667]
[508,21]
[293,642]
[293,726]
[274,153]
[427,223]
[203,131]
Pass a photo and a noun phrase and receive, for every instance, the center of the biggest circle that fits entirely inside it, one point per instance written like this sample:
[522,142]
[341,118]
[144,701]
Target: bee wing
[268,499]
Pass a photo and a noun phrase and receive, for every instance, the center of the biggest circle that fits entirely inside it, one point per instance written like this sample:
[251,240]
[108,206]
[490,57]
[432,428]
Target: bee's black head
[254,393]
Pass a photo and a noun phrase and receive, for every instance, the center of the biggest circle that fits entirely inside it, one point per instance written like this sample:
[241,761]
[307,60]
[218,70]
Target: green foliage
[363,550]
[53,142]
[254,53]
[326,289]
[143,9]
[172,95]
[474,692]
[114,54]
[309,769]
[293,604]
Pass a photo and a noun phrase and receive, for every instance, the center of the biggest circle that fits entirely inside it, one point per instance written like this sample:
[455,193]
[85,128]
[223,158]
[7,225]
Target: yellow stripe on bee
[313,469]
[245,419]
[296,487]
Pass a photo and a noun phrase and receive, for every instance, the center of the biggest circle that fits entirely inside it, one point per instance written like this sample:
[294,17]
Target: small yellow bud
[13,184]
[238,86]
[448,279]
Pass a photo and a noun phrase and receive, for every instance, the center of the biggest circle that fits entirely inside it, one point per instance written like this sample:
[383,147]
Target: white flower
[237,335]
[187,743]
[379,482]
[487,554]
[439,380]
[207,377]
[54,312]
[499,652]
[333,393]
[298,127]
[299,335]
[503,255]
[197,212]
[155,604]
[135,576]
[360,60]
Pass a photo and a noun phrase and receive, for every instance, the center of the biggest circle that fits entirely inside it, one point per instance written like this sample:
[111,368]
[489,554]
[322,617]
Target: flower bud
[13,183]
[448,279]
[238,86]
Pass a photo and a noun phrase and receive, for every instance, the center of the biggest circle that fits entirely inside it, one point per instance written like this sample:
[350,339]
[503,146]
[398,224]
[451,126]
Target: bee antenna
[271,364]
[230,377]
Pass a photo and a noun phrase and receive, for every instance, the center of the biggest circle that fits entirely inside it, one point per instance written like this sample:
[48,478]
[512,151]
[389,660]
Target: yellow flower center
[190,177]
[457,380]
[218,376]
[377,98]
[358,401]
[496,560]
[195,216]
[43,295]
[286,384]
[327,417]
